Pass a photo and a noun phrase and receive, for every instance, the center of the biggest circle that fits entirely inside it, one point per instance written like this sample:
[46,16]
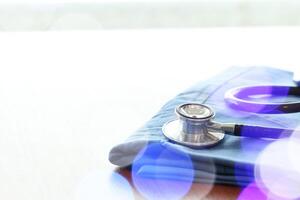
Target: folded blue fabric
[230,162]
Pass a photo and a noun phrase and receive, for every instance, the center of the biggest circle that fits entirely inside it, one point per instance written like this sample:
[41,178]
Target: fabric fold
[234,159]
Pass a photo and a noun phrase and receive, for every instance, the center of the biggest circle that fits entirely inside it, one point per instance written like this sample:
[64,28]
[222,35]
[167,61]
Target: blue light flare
[161,173]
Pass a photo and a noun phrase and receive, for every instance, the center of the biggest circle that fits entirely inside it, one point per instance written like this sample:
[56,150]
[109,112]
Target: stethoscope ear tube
[239,99]
[262,132]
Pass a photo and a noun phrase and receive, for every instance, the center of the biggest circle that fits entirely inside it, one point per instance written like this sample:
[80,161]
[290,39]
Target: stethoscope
[195,127]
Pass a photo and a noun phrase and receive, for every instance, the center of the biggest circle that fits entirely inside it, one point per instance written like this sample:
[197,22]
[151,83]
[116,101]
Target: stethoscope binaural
[195,127]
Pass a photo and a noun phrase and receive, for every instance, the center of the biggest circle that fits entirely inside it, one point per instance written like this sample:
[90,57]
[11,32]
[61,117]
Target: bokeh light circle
[276,171]
[160,173]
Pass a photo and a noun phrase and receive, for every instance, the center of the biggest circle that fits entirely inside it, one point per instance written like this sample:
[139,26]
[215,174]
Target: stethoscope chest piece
[190,129]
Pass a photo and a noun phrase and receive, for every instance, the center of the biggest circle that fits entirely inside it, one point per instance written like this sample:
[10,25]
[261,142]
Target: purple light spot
[252,192]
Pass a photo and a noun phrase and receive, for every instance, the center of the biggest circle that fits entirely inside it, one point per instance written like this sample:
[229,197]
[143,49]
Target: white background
[67,97]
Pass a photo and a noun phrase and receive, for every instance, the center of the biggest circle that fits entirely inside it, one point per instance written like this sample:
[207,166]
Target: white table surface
[67,97]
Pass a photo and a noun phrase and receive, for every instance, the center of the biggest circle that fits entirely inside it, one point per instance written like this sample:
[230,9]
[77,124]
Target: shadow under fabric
[234,158]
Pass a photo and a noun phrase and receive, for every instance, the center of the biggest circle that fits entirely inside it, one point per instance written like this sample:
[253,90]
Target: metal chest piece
[192,127]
